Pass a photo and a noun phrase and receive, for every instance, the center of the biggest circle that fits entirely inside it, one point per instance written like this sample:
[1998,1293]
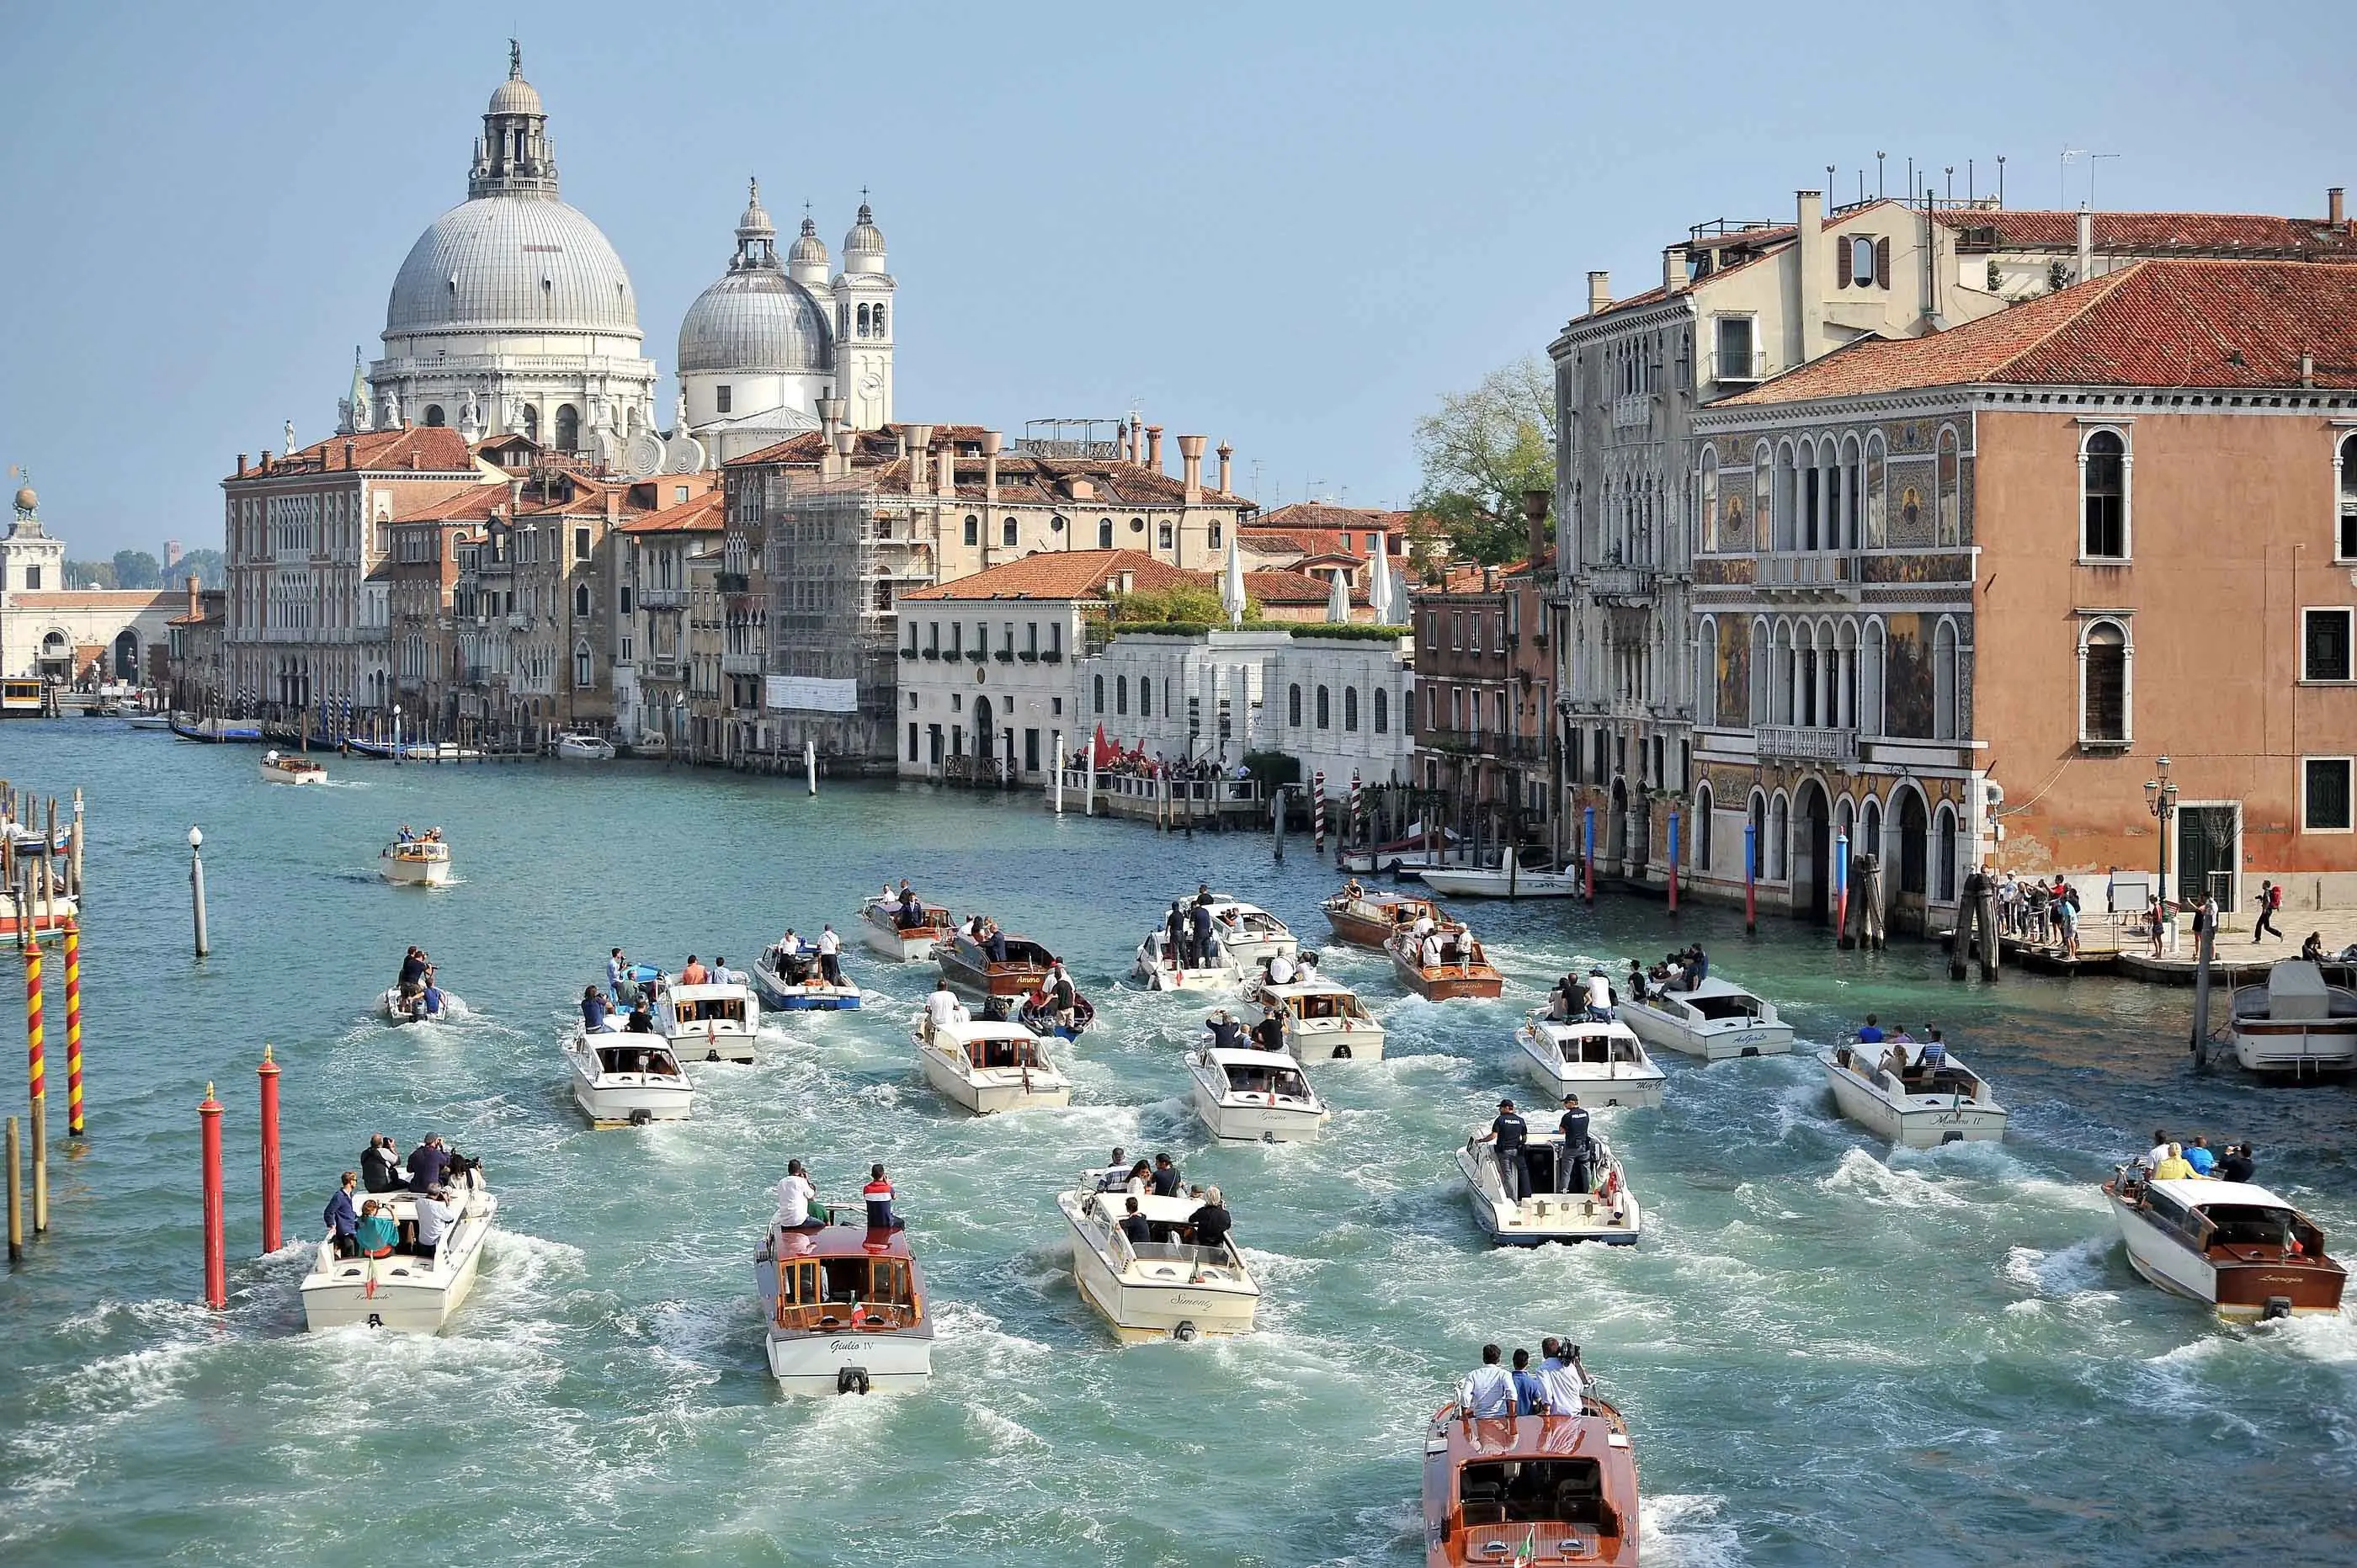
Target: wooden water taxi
[881,928]
[1715,1021]
[1920,1107]
[277,767]
[846,1309]
[1462,970]
[1367,919]
[415,863]
[1568,1201]
[627,1081]
[406,1294]
[1532,1489]
[1324,1021]
[1161,1288]
[1157,968]
[989,1065]
[713,1022]
[2234,1247]
[2295,1024]
[1255,1097]
[1603,1064]
[970,967]
[790,979]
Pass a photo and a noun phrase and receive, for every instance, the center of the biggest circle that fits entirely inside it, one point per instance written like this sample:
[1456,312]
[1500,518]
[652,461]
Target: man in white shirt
[1600,996]
[830,948]
[941,1009]
[1562,1376]
[616,965]
[1423,926]
[1280,970]
[435,1218]
[1489,1391]
[2157,1153]
[1431,955]
[795,1196]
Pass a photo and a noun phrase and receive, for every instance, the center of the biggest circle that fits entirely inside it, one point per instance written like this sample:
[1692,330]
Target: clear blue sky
[1288,226]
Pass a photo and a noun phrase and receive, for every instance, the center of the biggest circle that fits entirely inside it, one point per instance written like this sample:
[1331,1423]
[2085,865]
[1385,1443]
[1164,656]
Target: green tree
[90,573]
[1480,450]
[1153,606]
[206,565]
[137,569]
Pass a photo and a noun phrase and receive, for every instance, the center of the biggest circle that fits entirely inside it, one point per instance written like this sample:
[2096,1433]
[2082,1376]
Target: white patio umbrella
[1337,603]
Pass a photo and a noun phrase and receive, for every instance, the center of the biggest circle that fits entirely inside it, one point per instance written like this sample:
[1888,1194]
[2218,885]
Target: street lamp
[2161,799]
[197,887]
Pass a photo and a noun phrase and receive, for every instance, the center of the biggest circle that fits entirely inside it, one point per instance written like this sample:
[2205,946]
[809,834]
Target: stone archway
[126,655]
[1616,829]
[986,743]
[1812,853]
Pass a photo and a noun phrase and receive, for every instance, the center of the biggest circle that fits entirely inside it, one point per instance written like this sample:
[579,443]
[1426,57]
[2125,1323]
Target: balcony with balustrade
[1797,743]
[1810,575]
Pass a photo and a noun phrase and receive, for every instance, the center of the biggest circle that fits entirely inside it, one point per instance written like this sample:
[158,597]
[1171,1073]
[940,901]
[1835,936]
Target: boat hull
[2296,1050]
[415,873]
[1450,981]
[53,914]
[818,997]
[1924,1123]
[292,775]
[1719,1044]
[1364,1043]
[815,1363]
[1546,1219]
[1357,931]
[1234,1124]
[1145,1313]
[902,947]
[990,1093]
[402,1293]
[1637,1090]
[1461,882]
[2239,1293]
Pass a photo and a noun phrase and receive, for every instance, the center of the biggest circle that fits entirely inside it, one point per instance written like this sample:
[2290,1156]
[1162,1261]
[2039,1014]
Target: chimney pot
[1600,293]
[1673,268]
[196,596]
[1154,447]
[2087,245]
[241,465]
[991,441]
[1227,455]
[2332,205]
[1191,467]
[2308,369]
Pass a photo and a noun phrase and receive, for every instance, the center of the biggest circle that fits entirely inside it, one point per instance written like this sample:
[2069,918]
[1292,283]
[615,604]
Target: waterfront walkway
[2119,945]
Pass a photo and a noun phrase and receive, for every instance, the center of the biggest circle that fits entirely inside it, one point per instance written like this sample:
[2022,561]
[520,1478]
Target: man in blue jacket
[342,1220]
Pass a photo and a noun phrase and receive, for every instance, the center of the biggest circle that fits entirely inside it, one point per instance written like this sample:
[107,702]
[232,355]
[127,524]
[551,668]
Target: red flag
[1106,751]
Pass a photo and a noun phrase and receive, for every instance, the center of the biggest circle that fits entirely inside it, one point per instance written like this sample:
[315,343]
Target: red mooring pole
[271,1237]
[216,1246]
[1674,860]
[73,1026]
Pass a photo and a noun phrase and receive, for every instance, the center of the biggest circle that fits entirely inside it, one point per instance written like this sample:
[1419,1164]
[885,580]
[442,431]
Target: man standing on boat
[617,968]
[830,956]
[1199,924]
[1577,1151]
[941,1008]
[342,1220]
[1600,996]
[1174,938]
[877,1195]
[1510,1132]
[1488,1394]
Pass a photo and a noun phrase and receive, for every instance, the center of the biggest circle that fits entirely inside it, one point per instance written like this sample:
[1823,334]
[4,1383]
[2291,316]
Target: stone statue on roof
[290,438]
[470,416]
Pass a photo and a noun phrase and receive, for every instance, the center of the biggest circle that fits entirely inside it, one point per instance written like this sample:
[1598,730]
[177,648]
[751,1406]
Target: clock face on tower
[872,383]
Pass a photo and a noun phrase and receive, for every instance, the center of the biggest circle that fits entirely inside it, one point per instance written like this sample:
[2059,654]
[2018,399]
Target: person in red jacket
[878,1196]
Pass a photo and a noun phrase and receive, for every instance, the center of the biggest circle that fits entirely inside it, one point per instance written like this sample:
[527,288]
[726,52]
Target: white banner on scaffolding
[811,694]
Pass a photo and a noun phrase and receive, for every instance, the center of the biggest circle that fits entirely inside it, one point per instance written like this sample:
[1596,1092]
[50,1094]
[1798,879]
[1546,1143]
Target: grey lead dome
[755,319]
[513,261]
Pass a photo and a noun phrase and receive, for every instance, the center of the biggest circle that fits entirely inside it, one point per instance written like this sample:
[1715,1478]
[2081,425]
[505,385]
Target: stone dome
[809,250]
[865,238]
[513,263]
[755,319]
[515,96]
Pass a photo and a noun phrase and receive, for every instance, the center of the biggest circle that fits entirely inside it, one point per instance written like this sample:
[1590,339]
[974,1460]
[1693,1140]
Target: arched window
[1857,258]
[1758,836]
[1945,689]
[1763,505]
[972,529]
[1786,535]
[530,423]
[1293,706]
[1869,679]
[2345,545]
[2104,656]
[1383,711]
[1944,861]
[863,321]
[584,675]
[1351,708]
[433,416]
[1761,674]
[581,599]
[877,320]
[1104,533]
[1877,493]
[1121,694]
[568,428]
[1007,531]
[2103,496]
[1706,675]
[1144,699]
[1951,483]
[1097,694]
[1324,720]
[1710,491]
[1777,823]
[1702,824]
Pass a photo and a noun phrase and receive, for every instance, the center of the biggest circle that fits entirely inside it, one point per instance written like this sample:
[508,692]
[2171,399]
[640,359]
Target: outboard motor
[2277,1306]
[1185,1332]
[851,1380]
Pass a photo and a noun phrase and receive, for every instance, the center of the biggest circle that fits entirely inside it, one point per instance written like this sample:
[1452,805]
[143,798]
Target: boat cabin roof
[988,1029]
[624,1051]
[1165,1210]
[1019,949]
[1581,1028]
[677,993]
[1271,1061]
[851,1240]
[2201,1193]
[1316,985]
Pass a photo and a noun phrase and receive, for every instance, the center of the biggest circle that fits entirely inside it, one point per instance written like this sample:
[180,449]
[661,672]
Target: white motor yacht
[411,1294]
[1324,1021]
[989,1065]
[791,980]
[1250,935]
[577,746]
[2234,1247]
[2295,1024]
[415,863]
[1715,1021]
[1158,969]
[1566,1203]
[1920,1107]
[846,1309]
[713,1022]
[1540,880]
[627,1081]
[1255,1097]
[1603,1064]
[1157,1289]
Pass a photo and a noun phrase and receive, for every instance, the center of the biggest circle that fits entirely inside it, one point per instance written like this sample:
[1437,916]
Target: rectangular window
[724,399]
[1031,751]
[1456,630]
[581,544]
[1736,361]
[1163,534]
[2324,794]
[1477,618]
[2324,645]
[2102,500]
[32,579]
[1499,706]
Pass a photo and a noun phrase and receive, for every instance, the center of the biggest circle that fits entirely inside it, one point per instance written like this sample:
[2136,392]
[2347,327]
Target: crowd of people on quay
[1113,762]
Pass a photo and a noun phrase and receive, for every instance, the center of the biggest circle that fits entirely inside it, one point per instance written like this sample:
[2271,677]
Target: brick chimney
[241,465]
[1136,438]
[1673,268]
[351,454]
[990,443]
[1154,447]
[920,439]
[196,596]
[1227,455]
[2333,207]
[1600,293]
[1191,467]
[265,460]
[1534,510]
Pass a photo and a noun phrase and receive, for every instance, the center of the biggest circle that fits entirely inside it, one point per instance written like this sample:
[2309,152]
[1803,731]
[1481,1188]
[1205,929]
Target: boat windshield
[629,1059]
[1526,1491]
[2258,1225]
[1282,1082]
[1729,1005]
[1004,1053]
[713,1010]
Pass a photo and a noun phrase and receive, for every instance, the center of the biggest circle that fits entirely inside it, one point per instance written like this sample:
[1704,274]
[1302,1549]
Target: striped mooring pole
[36,1069]
[73,1028]
[1318,811]
[1351,831]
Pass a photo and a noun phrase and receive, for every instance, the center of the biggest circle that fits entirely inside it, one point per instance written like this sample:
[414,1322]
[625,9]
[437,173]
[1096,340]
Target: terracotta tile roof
[1024,479]
[2147,233]
[706,514]
[435,448]
[1067,574]
[1294,588]
[1321,516]
[2151,323]
[471,505]
[97,598]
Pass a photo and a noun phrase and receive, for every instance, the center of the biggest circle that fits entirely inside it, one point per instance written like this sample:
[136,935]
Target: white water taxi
[846,1309]
[578,747]
[903,937]
[1255,1097]
[2233,1246]
[1519,881]
[277,767]
[1324,1021]
[988,1065]
[400,1009]
[1158,969]
[791,980]
[1250,935]
[627,1081]
[1570,1200]
[1603,1064]
[713,1022]
[411,1295]
[415,863]
[2295,1024]
[1919,1108]
[148,721]
[1715,1021]
[1163,1288]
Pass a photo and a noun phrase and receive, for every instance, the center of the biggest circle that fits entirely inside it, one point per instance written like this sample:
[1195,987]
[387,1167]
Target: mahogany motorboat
[846,1308]
[969,966]
[1530,1489]
[1366,919]
[1463,970]
[2233,1246]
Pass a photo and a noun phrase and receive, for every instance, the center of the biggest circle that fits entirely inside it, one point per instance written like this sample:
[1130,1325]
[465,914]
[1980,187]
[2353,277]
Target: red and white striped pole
[216,1243]
[1318,811]
[1350,828]
[271,1237]
[73,1028]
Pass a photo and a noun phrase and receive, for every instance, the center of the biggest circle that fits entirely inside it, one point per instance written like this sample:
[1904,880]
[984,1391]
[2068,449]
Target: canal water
[1829,1353]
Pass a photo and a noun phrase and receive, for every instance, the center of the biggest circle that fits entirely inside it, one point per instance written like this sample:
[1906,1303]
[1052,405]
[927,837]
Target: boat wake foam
[1685,1530]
